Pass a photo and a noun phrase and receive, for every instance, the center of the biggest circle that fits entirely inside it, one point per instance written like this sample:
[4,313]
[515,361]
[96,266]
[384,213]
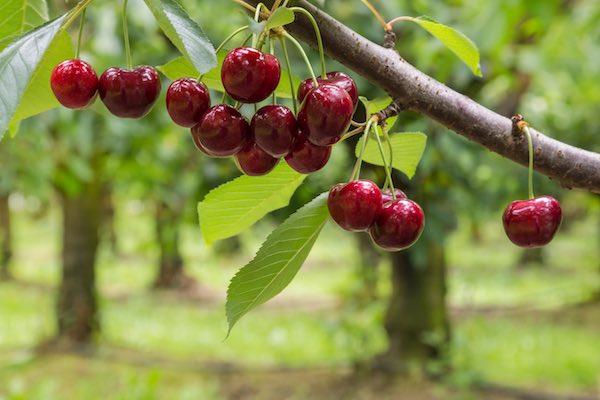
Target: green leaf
[18,63]
[378,104]
[180,67]
[282,16]
[234,206]
[277,261]
[184,33]
[19,16]
[456,41]
[407,148]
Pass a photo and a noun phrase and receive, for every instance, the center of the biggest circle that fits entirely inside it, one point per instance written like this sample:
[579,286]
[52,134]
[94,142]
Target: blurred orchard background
[514,323]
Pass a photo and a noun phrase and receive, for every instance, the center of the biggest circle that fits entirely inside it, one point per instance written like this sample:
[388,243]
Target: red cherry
[223,131]
[532,223]
[386,195]
[274,129]
[354,205]
[305,157]
[187,101]
[249,75]
[336,78]
[129,93]
[254,161]
[325,114]
[74,83]
[398,225]
[199,146]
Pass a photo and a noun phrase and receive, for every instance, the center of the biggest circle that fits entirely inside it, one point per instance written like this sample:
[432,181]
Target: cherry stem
[80,34]
[224,42]
[525,130]
[258,39]
[386,165]
[304,57]
[376,13]
[126,36]
[315,26]
[289,68]
[245,5]
[388,26]
[352,133]
[75,12]
[389,143]
[358,165]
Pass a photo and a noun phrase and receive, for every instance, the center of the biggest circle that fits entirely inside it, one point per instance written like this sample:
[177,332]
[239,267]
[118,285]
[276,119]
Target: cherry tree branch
[570,166]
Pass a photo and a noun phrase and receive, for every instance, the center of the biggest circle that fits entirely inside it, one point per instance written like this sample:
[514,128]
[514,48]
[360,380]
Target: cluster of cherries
[393,221]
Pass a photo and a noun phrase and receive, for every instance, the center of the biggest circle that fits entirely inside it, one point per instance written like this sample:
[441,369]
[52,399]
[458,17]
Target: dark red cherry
[222,131]
[274,129]
[325,114]
[336,78]
[129,93]
[249,75]
[305,157]
[398,225]
[386,195]
[532,223]
[354,205]
[74,83]
[199,146]
[254,161]
[187,101]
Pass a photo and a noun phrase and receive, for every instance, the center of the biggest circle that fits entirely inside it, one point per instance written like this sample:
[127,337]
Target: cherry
[325,114]
[222,131]
[532,223]
[355,205]
[398,225]
[386,195]
[305,157]
[249,75]
[187,101]
[334,78]
[129,93]
[74,83]
[274,129]
[254,161]
[199,146]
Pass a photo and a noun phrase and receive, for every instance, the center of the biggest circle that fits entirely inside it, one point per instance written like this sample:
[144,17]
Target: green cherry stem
[525,130]
[80,34]
[289,68]
[76,12]
[386,165]
[257,39]
[304,57]
[224,42]
[313,21]
[126,36]
[390,148]
[365,138]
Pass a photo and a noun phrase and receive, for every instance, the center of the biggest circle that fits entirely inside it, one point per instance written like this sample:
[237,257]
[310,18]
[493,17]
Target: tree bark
[167,224]
[416,321]
[5,238]
[77,309]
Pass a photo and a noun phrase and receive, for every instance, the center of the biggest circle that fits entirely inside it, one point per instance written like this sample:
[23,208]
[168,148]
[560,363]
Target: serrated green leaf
[234,206]
[277,261]
[180,67]
[407,148]
[456,41]
[19,16]
[184,33]
[280,17]
[18,63]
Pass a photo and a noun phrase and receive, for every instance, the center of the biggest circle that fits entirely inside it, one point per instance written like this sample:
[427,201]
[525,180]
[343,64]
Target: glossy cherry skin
[354,205]
[386,195]
[249,75]
[532,223]
[199,146]
[336,78]
[274,129]
[74,83]
[129,93]
[187,101]
[305,157]
[254,161]
[223,131]
[325,115]
[398,225]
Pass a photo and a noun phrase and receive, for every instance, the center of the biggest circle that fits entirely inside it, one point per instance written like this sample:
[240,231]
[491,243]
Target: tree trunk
[5,238]
[170,273]
[416,321]
[77,309]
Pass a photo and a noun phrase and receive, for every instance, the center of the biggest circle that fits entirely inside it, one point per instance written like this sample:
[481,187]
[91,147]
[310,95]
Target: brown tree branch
[570,166]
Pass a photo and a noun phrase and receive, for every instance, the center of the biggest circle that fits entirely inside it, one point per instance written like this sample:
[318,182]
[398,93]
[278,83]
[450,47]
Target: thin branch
[570,166]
